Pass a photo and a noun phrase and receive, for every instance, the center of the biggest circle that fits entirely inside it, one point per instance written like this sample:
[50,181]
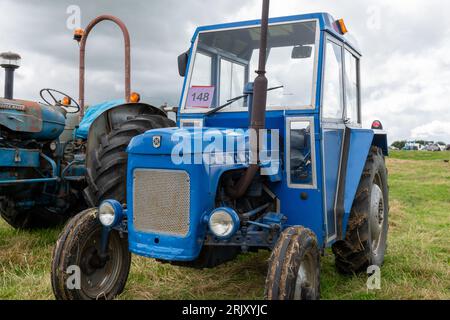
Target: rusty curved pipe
[126,37]
[258,115]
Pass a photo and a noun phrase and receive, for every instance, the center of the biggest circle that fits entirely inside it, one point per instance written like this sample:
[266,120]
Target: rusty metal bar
[126,37]
[258,114]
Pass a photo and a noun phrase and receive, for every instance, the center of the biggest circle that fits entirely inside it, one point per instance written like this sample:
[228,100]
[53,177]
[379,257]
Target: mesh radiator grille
[161,201]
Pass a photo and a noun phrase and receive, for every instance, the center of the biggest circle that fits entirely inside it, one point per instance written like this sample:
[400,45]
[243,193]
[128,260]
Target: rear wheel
[107,178]
[78,247]
[294,267]
[366,239]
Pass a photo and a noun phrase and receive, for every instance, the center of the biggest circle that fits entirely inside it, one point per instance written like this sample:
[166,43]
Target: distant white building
[412,145]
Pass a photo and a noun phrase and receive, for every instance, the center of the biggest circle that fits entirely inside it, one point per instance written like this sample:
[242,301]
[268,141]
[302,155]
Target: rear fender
[380,140]
[360,143]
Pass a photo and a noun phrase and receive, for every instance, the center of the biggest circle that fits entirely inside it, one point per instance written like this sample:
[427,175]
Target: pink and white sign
[200,97]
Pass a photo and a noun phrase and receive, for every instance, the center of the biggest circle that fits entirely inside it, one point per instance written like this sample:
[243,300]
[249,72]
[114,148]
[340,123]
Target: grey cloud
[160,30]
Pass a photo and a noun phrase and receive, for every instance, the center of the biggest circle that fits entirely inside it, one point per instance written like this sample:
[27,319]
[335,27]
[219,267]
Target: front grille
[161,201]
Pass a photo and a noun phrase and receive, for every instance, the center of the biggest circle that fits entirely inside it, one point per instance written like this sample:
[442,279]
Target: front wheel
[294,267]
[77,252]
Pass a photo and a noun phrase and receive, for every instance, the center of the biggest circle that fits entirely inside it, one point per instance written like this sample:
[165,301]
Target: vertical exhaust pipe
[258,111]
[10,62]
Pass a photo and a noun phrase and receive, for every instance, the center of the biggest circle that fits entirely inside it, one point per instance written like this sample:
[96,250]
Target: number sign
[200,97]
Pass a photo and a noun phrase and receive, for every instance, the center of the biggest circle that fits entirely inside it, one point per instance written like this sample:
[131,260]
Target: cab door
[340,111]
[333,125]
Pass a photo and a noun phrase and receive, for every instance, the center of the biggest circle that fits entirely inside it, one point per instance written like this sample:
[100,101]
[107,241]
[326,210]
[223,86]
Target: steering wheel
[68,107]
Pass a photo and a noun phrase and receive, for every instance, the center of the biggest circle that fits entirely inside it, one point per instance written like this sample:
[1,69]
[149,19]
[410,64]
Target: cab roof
[326,21]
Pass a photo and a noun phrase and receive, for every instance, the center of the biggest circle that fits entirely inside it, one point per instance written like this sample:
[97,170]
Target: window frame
[313,185]
[344,47]
[219,73]
[329,38]
[195,49]
[357,57]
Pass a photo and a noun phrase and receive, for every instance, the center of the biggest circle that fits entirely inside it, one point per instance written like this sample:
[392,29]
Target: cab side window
[332,101]
[351,88]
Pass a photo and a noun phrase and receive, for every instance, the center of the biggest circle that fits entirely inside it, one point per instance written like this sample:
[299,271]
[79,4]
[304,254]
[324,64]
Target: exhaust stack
[9,61]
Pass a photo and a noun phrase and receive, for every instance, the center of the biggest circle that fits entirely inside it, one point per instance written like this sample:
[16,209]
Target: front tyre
[79,245]
[294,267]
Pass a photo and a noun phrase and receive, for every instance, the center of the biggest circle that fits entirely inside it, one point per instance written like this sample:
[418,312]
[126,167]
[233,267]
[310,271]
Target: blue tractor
[281,164]
[55,160]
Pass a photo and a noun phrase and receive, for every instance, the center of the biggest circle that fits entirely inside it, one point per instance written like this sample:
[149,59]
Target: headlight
[223,222]
[110,213]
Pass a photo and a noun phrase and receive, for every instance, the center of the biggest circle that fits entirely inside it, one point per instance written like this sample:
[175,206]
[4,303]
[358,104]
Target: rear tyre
[294,267]
[107,179]
[366,238]
[79,245]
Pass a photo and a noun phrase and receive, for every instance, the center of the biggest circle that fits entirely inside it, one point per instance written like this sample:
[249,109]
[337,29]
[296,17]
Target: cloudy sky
[405,68]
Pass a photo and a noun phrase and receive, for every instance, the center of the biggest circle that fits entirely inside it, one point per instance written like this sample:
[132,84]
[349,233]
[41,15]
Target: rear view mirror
[182,63]
[301,52]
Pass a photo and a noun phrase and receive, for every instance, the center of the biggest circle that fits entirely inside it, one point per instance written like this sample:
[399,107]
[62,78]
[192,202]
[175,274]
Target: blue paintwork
[25,158]
[170,247]
[40,121]
[92,113]
[332,145]
[202,194]
[14,181]
[298,206]
[360,143]
[53,123]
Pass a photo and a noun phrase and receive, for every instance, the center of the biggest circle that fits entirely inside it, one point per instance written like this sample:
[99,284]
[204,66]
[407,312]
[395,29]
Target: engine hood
[20,115]
[190,140]
[32,120]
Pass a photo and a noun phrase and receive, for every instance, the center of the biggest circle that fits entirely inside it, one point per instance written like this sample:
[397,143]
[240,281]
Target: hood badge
[156,141]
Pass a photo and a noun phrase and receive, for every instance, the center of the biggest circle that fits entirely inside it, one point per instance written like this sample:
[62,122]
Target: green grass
[417,264]
[420,155]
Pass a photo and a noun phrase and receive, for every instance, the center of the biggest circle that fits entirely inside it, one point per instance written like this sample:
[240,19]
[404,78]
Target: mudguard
[361,140]
[95,112]
[380,140]
[92,113]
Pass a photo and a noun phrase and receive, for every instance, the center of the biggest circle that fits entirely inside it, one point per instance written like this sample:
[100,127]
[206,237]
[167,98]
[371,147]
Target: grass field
[417,264]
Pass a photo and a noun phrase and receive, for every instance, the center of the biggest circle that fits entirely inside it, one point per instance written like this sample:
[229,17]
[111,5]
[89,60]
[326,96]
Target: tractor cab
[220,67]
